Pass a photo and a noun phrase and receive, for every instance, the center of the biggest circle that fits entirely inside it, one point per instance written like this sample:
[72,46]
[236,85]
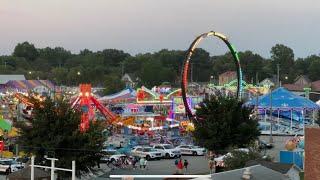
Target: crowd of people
[131,162]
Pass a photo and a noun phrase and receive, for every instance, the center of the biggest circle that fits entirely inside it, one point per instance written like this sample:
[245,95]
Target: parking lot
[197,165]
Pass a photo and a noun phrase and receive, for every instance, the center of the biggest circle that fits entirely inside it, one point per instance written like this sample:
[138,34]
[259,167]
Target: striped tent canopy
[128,94]
[26,85]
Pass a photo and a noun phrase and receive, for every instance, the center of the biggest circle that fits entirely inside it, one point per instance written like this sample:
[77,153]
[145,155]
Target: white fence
[53,168]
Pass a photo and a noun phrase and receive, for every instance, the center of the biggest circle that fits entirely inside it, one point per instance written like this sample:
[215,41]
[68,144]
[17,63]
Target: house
[130,80]
[256,172]
[227,77]
[315,86]
[268,82]
[304,87]
[299,84]
[289,170]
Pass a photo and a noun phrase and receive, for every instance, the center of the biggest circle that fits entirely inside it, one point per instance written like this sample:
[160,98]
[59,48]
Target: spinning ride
[85,99]
[193,46]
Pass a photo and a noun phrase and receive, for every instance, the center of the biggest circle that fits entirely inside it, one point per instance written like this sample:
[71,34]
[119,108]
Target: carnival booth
[289,109]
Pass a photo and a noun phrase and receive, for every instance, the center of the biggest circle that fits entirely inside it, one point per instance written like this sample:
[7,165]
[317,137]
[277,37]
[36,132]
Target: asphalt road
[197,165]
[279,144]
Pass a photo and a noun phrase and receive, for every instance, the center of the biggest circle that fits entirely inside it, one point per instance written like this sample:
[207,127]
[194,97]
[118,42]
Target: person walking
[142,160]
[134,161]
[211,165]
[145,165]
[176,164]
[180,166]
[185,165]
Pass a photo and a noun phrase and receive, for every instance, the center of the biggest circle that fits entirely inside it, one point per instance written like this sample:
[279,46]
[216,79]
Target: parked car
[7,166]
[17,165]
[168,150]
[191,150]
[146,152]
[265,145]
[110,155]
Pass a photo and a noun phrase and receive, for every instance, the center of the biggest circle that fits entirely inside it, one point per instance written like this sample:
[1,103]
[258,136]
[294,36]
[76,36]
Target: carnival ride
[146,96]
[193,46]
[85,101]
[28,105]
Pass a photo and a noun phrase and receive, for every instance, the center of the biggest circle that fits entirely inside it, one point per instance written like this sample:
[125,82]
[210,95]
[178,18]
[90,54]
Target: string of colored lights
[193,46]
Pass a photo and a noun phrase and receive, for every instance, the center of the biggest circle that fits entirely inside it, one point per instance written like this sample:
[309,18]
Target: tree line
[105,68]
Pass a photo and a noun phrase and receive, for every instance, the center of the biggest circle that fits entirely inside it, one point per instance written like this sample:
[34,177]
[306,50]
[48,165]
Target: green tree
[59,75]
[284,56]
[26,50]
[238,159]
[314,67]
[251,65]
[56,57]
[54,131]
[113,84]
[224,123]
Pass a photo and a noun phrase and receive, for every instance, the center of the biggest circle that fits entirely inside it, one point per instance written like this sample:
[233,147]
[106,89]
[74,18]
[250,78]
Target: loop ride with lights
[190,52]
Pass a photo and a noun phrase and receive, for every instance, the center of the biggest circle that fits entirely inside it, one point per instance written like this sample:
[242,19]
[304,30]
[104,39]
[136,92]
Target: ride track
[185,70]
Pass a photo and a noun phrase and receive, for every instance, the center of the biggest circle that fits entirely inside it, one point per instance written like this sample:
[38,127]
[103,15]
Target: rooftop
[4,78]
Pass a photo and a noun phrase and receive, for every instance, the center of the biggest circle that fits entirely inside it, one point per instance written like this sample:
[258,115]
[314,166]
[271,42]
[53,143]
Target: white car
[7,166]
[111,155]
[146,152]
[168,150]
[191,150]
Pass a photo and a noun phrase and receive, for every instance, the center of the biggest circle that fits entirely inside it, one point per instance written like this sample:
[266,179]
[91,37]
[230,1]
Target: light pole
[211,78]
[30,74]
[79,73]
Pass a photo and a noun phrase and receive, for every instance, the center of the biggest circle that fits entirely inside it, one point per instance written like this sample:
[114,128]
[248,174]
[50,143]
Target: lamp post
[79,73]
[30,74]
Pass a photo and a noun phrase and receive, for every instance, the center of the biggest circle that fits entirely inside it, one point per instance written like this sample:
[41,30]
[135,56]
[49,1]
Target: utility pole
[278,74]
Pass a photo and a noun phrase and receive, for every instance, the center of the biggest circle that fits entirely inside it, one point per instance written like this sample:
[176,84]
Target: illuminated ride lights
[85,99]
[193,46]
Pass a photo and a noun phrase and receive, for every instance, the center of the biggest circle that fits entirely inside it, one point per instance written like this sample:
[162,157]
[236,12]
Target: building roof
[258,172]
[315,85]
[228,73]
[4,78]
[294,87]
[24,85]
[276,166]
[281,98]
[270,81]
[304,77]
